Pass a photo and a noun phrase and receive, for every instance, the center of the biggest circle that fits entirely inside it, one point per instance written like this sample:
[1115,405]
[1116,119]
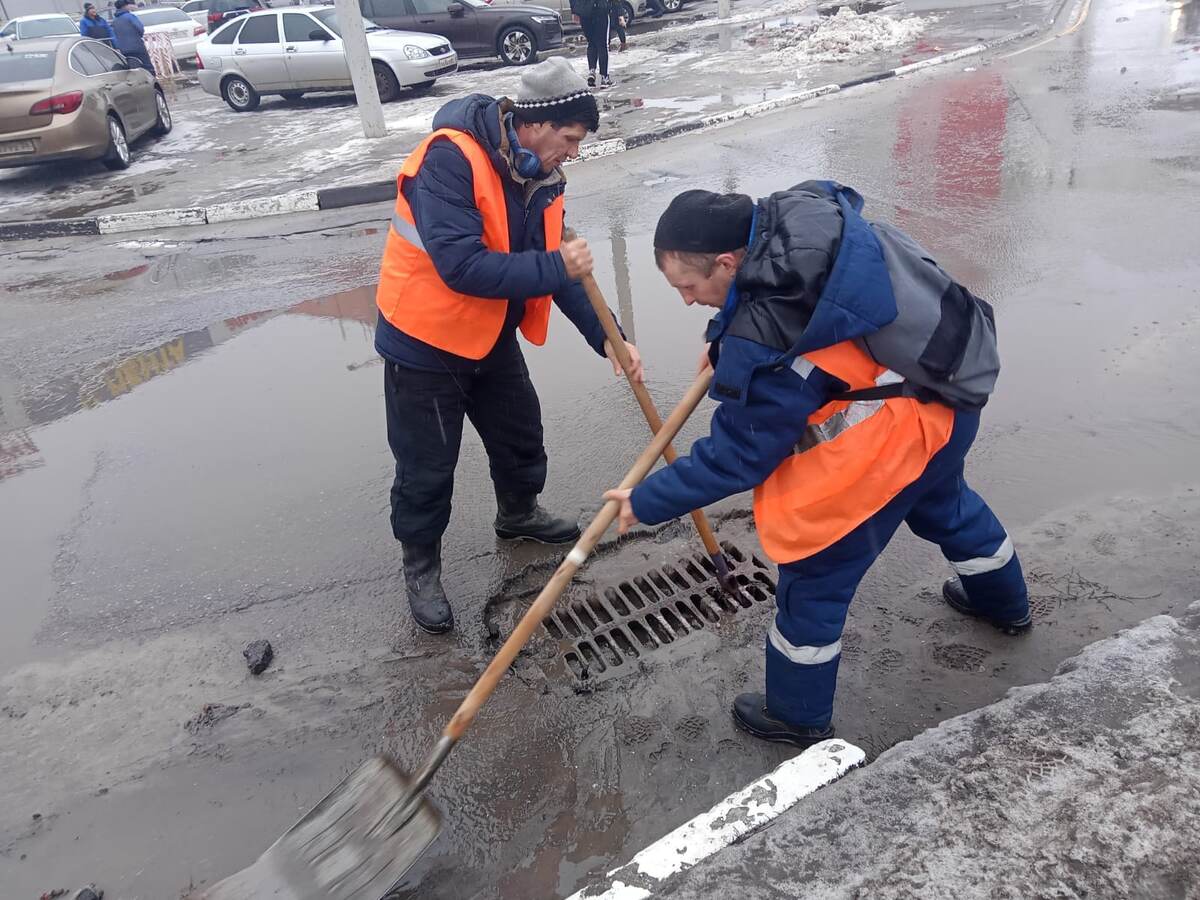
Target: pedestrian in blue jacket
[95,26]
[127,33]
[839,449]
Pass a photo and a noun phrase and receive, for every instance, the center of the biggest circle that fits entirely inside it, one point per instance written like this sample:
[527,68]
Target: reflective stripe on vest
[411,294]
[853,458]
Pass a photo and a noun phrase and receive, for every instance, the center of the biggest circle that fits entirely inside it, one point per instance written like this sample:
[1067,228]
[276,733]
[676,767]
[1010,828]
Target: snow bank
[837,38]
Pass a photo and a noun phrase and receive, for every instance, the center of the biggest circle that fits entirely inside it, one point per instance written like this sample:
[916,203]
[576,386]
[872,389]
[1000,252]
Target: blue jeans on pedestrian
[814,594]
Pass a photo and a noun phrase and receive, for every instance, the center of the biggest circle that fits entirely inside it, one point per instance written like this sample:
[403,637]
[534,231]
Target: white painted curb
[938,60]
[730,820]
[300,201]
[150,219]
[757,109]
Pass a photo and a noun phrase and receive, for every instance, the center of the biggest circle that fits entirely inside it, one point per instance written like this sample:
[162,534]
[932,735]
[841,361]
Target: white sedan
[25,27]
[295,51]
[183,31]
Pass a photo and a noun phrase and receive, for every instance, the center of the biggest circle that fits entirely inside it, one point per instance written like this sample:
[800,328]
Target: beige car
[74,98]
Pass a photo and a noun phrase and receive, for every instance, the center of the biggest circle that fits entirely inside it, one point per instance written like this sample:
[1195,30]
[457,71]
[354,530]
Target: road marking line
[730,820]
[1084,9]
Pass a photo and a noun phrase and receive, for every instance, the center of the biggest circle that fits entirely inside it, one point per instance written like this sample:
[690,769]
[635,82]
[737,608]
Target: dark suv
[514,33]
[221,11]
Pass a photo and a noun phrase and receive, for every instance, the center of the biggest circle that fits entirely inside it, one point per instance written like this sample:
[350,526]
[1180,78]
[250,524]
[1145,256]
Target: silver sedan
[295,51]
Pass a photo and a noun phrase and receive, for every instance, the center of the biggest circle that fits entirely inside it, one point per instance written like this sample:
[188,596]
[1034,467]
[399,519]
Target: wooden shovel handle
[645,401]
[562,576]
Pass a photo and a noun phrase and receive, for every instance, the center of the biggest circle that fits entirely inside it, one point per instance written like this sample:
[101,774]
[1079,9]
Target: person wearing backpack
[593,18]
[849,370]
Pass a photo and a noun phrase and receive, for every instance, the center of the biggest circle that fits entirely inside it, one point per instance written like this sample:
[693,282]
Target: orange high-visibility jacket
[854,457]
[411,294]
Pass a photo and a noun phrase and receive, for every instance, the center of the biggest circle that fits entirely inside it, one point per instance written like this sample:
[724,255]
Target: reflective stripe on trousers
[802,655]
[983,564]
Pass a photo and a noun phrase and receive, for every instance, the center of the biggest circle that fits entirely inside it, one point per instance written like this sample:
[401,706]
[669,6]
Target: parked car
[297,50]
[197,10]
[23,28]
[514,33]
[74,98]
[184,33]
[632,8]
[219,12]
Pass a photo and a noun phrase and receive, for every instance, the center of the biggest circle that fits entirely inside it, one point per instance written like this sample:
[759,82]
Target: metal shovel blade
[356,844]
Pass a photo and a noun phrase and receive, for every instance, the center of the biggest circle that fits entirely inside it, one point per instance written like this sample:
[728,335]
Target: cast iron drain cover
[604,633]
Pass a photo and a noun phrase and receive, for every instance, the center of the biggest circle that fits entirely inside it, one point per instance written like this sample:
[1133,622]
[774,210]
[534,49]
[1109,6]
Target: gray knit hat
[552,91]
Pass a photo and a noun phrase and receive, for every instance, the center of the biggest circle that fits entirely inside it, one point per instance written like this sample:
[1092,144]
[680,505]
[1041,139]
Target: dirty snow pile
[840,37]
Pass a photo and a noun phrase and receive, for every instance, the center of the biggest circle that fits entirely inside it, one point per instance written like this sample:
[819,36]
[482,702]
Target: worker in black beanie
[819,310]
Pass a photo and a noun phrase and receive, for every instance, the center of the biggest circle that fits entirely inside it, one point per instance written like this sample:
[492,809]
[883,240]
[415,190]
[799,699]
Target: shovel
[646,402]
[358,842]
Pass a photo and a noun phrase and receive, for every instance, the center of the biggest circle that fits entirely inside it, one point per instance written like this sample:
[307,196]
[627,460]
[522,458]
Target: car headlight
[545,20]
[412,51]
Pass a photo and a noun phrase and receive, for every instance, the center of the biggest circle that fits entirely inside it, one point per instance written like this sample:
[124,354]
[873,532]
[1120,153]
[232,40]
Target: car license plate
[10,148]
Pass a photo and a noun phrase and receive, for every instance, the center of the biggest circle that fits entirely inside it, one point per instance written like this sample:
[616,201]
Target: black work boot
[423,579]
[750,714]
[519,516]
[955,594]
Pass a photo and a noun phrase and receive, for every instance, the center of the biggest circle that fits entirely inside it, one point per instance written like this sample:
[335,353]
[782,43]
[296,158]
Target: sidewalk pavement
[1086,786]
[669,79]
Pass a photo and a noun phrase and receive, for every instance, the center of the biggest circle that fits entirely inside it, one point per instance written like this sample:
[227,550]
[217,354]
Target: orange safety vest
[855,456]
[411,294]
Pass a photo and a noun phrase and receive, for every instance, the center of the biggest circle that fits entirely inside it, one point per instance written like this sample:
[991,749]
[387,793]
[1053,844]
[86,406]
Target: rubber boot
[955,595]
[519,516]
[423,579]
[750,714]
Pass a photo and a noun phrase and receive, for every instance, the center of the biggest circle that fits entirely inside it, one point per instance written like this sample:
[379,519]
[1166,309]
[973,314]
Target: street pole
[723,9]
[358,57]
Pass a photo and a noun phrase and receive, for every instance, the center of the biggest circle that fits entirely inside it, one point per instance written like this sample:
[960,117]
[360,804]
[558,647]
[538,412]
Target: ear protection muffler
[526,162]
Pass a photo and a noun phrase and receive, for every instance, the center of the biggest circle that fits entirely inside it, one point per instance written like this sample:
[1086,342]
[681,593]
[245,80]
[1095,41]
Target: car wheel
[238,93]
[628,12]
[292,96]
[517,46]
[162,124]
[117,156]
[672,5]
[385,82]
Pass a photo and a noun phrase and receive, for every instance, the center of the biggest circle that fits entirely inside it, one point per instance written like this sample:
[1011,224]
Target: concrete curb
[385,191]
[730,820]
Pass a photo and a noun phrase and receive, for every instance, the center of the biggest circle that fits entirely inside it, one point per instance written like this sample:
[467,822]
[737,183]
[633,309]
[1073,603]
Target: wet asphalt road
[193,457]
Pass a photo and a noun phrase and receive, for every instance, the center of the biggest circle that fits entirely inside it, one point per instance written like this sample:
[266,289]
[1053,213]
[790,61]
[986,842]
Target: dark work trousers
[595,29]
[424,423]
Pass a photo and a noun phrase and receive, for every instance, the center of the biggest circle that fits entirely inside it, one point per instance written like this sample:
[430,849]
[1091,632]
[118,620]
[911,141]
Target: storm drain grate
[604,634]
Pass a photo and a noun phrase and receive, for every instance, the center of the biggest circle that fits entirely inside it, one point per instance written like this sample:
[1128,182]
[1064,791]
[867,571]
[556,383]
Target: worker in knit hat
[849,370]
[475,253]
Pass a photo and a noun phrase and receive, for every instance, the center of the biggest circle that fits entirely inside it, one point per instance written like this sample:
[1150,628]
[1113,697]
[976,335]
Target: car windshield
[16,67]
[478,4]
[34,28]
[328,18]
[162,16]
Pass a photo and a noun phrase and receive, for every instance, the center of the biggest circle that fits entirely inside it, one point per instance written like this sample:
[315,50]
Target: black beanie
[704,222]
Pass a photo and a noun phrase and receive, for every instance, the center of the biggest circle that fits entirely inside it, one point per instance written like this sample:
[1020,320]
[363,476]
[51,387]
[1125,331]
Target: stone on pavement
[1085,786]
[258,656]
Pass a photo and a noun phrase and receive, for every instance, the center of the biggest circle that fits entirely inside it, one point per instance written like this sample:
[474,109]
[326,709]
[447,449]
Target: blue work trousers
[804,642]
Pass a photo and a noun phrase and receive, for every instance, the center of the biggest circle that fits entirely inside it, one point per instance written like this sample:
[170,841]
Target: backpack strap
[881,392]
